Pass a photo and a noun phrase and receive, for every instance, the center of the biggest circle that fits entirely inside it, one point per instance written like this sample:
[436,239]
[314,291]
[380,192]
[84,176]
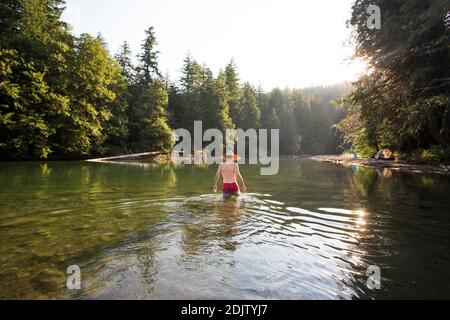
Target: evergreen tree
[149,128]
[234,92]
[123,58]
[33,77]
[25,106]
[191,75]
[220,106]
[190,87]
[175,106]
[251,113]
[148,58]
[11,13]
[93,78]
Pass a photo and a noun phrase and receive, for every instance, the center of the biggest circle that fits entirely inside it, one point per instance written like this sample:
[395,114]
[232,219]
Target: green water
[158,232]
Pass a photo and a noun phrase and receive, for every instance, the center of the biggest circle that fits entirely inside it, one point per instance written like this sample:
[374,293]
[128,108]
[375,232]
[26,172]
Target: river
[149,231]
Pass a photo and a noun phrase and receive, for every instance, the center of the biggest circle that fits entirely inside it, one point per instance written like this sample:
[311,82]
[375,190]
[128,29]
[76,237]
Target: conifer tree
[234,92]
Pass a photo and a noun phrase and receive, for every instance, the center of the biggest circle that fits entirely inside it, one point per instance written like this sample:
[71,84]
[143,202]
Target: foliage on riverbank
[433,155]
[403,102]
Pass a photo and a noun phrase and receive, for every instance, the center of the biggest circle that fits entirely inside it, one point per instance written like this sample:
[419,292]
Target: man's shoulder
[227,165]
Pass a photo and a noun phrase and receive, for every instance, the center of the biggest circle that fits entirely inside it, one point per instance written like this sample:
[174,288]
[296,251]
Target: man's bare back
[230,174]
[228,171]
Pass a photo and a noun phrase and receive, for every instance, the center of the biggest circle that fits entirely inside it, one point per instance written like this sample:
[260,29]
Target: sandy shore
[383,164]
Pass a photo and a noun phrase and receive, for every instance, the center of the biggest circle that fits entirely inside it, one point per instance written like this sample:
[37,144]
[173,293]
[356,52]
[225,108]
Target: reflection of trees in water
[88,207]
[368,189]
[386,185]
[127,269]
[402,236]
[145,257]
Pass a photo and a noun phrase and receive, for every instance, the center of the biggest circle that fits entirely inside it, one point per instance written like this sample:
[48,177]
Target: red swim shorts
[230,188]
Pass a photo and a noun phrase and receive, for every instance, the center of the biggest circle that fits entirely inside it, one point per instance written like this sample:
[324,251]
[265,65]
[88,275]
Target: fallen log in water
[130,157]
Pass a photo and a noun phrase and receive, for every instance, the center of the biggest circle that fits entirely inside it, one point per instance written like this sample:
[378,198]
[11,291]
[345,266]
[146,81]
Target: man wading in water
[230,173]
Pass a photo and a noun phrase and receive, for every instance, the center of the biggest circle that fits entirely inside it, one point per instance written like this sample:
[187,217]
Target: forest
[403,102]
[64,96]
[68,97]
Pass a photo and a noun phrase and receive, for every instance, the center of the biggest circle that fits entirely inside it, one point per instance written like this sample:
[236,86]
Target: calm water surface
[158,232]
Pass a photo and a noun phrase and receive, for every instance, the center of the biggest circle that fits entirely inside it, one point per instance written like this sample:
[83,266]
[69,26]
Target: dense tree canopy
[404,101]
[65,96]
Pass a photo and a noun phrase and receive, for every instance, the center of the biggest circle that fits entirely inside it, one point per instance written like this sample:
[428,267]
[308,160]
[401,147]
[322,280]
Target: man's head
[229,155]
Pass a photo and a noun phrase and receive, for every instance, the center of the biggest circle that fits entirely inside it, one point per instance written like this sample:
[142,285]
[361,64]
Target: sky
[274,43]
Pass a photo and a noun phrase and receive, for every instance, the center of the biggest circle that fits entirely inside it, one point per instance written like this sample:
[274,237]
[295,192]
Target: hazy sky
[275,43]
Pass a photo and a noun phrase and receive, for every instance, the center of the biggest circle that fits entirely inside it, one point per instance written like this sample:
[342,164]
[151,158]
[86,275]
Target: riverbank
[346,160]
[383,164]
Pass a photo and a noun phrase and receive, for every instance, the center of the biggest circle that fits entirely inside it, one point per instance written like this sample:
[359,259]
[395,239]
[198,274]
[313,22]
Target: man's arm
[238,173]
[216,178]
